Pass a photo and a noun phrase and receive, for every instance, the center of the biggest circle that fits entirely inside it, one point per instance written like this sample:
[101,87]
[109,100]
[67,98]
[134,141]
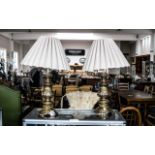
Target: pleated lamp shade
[103,55]
[47,52]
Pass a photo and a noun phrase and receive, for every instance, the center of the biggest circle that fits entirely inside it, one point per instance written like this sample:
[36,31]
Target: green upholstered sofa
[11,106]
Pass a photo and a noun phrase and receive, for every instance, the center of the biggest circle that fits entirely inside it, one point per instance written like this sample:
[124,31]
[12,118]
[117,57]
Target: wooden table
[90,80]
[137,97]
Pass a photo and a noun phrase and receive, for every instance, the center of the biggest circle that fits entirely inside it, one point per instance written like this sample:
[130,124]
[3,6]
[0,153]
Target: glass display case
[74,117]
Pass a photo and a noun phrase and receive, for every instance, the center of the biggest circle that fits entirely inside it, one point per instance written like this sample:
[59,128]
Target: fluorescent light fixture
[74,36]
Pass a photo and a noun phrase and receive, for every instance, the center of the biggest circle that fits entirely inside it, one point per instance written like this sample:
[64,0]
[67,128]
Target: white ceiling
[124,31]
[76,34]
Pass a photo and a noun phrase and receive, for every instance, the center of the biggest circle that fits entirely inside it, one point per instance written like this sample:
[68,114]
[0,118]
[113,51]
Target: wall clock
[82,60]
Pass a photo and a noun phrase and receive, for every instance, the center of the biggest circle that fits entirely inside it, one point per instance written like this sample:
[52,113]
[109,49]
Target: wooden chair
[132,116]
[85,88]
[57,89]
[36,97]
[150,116]
[74,79]
[150,120]
[123,86]
[152,90]
[147,89]
[71,88]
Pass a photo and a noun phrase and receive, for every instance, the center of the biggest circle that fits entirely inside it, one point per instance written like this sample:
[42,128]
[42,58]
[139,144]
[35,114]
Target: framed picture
[74,52]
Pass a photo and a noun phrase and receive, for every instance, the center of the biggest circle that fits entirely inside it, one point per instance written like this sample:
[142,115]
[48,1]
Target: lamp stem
[103,109]
[47,97]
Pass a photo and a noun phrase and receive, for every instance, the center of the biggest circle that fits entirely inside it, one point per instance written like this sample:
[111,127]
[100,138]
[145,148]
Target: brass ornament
[47,98]
[103,110]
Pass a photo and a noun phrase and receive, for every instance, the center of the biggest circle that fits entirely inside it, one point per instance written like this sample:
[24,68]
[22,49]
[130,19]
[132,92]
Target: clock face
[82,60]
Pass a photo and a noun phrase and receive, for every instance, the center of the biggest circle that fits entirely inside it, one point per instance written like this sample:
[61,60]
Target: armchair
[11,106]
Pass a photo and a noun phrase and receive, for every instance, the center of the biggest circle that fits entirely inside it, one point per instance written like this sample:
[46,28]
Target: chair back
[123,86]
[71,88]
[152,90]
[57,88]
[132,116]
[147,89]
[85,88]
[150,120]
[74,79]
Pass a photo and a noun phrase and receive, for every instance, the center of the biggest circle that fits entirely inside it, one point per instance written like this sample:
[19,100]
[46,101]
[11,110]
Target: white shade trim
[47,52]
[103,55]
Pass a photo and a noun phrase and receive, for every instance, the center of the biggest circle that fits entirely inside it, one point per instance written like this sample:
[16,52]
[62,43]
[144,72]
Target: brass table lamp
[104,55]
[47,53]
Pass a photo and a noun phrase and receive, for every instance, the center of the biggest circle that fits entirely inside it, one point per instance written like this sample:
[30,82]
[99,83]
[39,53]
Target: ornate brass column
[103,109]
[47,98]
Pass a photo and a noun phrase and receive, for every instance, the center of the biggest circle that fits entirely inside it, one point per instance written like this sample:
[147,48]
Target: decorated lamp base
[47,98]
[52,113]
[103,110]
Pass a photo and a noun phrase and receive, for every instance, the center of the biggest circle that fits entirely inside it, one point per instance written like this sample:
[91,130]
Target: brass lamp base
[47,111]
[50,114]
[47,98]
[103,110]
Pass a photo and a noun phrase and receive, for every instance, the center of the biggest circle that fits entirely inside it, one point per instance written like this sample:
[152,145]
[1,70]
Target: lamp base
[103,110]
[52,113]
[47,98]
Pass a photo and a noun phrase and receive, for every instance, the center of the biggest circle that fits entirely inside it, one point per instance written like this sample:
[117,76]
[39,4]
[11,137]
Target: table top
[74,117]
[137,95]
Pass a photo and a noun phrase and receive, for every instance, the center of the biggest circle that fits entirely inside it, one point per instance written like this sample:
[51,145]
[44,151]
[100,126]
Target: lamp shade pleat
[103,55]
[47,52]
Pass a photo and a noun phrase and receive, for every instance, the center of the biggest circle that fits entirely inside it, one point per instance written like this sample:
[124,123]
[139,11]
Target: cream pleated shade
[47,52]
[103,55]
